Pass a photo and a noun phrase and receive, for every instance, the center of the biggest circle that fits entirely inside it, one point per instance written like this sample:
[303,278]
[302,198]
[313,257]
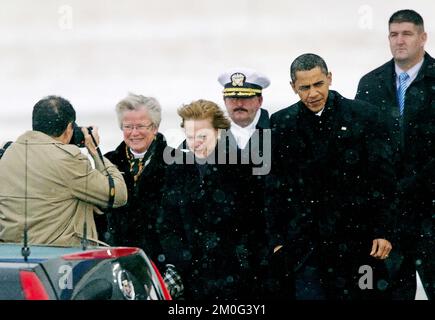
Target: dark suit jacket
[331,184]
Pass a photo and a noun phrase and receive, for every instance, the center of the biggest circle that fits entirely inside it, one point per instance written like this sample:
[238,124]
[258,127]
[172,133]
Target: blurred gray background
[95,52]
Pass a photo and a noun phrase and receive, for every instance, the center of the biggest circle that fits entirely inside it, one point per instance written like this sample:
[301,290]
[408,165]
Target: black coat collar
[386,74]
[264,121]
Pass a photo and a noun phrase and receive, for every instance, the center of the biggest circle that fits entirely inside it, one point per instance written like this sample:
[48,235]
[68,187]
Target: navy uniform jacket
[257,155]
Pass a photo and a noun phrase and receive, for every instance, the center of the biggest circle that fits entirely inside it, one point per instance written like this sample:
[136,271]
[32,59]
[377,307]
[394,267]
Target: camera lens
[78,137]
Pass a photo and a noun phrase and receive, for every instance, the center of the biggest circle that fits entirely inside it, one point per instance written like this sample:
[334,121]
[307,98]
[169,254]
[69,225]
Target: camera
[78,137]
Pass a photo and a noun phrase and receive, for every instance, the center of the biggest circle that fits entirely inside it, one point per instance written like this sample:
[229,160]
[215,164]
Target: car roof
[12,252]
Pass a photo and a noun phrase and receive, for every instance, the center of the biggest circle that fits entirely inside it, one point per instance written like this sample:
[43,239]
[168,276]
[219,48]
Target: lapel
[427,69]
[387,78]
[318,134]
[264,121]
[415,107]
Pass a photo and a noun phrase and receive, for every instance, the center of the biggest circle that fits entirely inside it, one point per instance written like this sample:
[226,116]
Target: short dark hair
[51,115]
[407,15]
[307,62]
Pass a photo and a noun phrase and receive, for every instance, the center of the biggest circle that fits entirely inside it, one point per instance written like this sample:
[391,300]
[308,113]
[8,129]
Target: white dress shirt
[242,135]
[412,73]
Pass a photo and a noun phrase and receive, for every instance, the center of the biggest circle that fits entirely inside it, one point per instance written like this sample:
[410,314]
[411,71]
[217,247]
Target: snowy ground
[94,52]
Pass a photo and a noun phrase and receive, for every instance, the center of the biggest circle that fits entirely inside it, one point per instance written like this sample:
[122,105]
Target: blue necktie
[403,85]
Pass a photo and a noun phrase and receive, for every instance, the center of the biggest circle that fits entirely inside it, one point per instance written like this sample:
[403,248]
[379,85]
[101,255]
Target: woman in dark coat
[203,231]
[140,159]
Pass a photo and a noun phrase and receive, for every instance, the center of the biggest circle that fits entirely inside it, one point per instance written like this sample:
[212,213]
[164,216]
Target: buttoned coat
[413,141]
[330,189]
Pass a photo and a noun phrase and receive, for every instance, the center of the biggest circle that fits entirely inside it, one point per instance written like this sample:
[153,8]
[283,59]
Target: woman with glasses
[140,158]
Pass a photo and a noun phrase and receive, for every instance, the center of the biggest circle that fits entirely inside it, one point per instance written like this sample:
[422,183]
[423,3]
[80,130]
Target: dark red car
[65,273]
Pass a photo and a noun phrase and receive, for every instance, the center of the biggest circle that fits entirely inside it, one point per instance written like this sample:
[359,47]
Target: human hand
[277,248]
[381,249]
[89,142]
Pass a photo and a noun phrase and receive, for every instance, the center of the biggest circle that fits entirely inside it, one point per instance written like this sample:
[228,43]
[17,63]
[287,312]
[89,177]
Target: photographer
[52,183]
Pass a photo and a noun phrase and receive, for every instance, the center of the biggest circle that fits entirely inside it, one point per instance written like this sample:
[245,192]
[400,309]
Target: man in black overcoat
[411,119]
[330,191]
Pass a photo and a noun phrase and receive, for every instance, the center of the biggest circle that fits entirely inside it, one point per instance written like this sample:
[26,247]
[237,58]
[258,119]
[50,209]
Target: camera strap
[109,177]
[111,192]
[3,148]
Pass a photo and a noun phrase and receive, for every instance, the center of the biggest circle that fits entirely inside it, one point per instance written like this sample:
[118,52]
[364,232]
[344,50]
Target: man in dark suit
[329,192]
[404,91]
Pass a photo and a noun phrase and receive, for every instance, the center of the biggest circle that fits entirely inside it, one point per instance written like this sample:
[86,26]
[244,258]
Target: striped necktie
[401,90]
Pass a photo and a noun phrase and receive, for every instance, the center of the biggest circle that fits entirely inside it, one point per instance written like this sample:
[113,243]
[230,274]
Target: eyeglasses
[138,127]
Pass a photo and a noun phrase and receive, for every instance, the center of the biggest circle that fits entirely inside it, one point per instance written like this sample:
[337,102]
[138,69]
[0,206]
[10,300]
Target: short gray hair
[306,62]
[135,102]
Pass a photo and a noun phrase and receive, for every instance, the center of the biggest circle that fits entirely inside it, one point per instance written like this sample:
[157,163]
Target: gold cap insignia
[238,79]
